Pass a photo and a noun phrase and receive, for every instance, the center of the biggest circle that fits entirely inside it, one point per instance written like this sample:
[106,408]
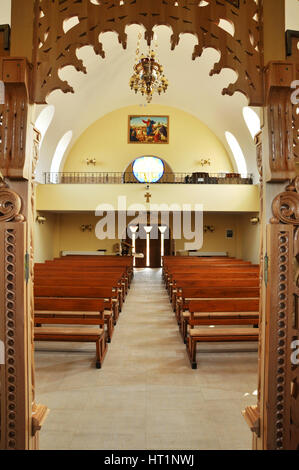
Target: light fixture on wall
[86,227]
[91,161]
[209,228]
[204,162]
[254,220]
[148,76]
[40,219]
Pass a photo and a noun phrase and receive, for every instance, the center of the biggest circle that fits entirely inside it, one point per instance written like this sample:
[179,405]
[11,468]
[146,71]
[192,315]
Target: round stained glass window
[148,169]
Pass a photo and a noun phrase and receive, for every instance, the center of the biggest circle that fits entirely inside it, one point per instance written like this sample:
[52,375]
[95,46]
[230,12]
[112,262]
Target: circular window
[148,169]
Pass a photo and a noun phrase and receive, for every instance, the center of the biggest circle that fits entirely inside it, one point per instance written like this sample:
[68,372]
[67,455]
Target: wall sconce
[40,219]
[85,228]
[204,162]
[91,161]
[254,220]
[209,228]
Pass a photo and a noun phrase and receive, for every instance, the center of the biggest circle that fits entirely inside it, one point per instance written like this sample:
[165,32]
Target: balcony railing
[129,178]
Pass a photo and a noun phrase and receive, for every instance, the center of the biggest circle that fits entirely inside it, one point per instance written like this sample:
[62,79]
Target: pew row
[208,335]
[66,311]
[219,312]
[82,335]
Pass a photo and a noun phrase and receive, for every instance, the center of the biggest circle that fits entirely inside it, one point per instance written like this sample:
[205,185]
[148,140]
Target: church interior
[152,216]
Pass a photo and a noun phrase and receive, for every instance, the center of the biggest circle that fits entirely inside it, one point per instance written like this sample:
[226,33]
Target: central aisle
[146,396]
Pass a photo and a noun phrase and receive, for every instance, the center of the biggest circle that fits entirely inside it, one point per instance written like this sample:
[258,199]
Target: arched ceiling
[106,88]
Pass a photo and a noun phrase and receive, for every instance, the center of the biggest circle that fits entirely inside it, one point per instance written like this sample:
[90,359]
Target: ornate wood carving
[278,345]
[10,204]
[293,55]
[279,412]
[280,122]
[55,49]
[14,412]
[14,72]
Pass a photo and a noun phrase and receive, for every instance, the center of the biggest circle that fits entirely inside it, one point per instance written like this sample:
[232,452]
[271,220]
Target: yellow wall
[79,197]
[62,232]
[107,141]
[46,238]
[250,238]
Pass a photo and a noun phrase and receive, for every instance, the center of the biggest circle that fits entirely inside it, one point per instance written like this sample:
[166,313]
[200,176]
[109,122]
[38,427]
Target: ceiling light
[148,76]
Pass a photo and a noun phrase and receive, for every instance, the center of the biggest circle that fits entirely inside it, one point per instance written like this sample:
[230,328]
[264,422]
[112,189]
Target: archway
[280,168]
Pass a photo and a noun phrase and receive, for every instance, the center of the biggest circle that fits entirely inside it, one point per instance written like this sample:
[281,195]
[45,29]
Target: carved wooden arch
[55,49]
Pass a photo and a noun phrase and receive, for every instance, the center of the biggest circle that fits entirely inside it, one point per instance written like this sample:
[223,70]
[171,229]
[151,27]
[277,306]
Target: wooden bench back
[77,291]
[69,305]
[120,260]
[76,267]
[218,268]
[72,281]
[220,292]
[215,275]
[219,282]
[78,275]
[224,305]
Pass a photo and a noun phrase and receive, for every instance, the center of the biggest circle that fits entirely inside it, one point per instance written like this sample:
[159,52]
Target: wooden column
[21,417]
[273,421]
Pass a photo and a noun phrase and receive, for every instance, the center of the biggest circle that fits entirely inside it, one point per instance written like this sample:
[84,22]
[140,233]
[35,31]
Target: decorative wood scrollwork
[10,205]
[241,52]
[281,419]
[14,72]
[285,206]
[280,121]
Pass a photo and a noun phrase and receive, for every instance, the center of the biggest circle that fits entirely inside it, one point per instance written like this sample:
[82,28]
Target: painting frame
[141,133]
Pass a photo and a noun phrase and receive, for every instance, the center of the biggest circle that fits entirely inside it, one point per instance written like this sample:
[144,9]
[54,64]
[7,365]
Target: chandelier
[148,74]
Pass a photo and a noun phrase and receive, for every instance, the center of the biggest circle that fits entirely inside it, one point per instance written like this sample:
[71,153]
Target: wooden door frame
[264,76]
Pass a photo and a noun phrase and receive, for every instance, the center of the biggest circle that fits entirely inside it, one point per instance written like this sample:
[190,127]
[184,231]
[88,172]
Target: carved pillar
[274,421]
[20,416]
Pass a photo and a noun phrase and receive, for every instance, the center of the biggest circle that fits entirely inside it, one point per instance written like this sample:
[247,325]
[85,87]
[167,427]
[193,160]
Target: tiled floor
[146,396]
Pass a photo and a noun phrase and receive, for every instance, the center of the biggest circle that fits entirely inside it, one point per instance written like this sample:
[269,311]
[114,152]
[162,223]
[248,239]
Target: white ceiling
[105,88]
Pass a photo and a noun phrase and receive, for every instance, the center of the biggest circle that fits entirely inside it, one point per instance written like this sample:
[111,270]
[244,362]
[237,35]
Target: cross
[148,196]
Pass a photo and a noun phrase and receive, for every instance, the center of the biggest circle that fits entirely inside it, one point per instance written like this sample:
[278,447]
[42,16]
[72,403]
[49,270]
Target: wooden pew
[174,281]
[43,309]
[219,312]
[94,279]
[202,283]
[79,288]
[214,292]
[82,335]
[205,311]
[61,311]
[207,335]
[105,263]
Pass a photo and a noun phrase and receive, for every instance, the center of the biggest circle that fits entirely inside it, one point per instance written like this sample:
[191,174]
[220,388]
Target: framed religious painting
[148,130]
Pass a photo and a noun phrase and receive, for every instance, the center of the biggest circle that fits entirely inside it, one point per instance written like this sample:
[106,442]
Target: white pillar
[148,229]
[133,229]
[162,229]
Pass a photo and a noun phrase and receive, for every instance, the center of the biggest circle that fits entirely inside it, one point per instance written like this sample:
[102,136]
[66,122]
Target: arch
[209,23]
[237,153]
[59,152]
[252,120]
[44,120]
